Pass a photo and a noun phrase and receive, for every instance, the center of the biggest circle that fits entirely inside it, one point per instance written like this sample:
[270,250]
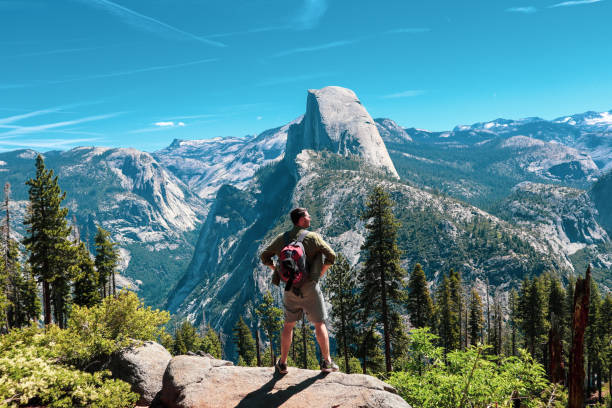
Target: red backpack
[292,262]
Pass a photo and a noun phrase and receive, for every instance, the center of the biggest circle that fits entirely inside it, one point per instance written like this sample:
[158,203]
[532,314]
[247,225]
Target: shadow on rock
[264,397]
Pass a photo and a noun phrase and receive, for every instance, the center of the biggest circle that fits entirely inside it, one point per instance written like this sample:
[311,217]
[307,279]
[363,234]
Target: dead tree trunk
[580,320]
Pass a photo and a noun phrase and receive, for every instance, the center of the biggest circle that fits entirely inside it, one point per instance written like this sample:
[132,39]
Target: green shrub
[30,375]
[94,333]
[468,378]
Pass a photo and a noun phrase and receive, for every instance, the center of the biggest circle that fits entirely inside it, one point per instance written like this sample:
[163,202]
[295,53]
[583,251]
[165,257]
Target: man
[309,298]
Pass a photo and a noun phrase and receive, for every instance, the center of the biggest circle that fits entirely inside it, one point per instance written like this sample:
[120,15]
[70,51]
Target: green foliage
[447,316]
[532,310]
[475,320]
[354,366]
[271,319]
[51,252]
[466,378]
[31,374]
[296,353]
[340,287]
[86,282]
[105,261]
[244,341]
[94,333]
[420,305]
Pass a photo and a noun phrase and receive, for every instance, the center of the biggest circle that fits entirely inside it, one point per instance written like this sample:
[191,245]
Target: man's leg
[286,337]
[323,339]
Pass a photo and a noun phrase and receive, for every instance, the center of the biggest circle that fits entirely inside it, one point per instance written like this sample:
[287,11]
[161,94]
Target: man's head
[300,217]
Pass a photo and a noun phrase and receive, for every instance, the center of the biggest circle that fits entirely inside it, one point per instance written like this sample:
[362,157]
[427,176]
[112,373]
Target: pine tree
[457,301]
[420,305]
[556,303]
[446,317]
[271,320]
[86,283]
[211,343]
[381,276]
[4,302]
[594,338]
[341,289]
[400,341]
[475,322]
[24,303]
[496,334]
[532,312]
[373,361]
[303,336]
[51,252]
[514,320]
[244,341]
[105,261]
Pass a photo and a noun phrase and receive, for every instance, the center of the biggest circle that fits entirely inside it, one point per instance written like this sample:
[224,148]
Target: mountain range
[496,200]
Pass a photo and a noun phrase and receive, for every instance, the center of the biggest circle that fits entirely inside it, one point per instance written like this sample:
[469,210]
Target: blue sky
[136,73]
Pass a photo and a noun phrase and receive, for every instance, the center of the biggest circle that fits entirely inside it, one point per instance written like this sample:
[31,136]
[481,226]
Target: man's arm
[272,250]
[330,255]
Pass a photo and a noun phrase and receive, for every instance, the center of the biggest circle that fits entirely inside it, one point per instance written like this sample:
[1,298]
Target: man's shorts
[309,301]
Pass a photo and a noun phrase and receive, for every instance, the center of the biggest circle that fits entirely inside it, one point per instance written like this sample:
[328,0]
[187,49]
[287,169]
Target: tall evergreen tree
[341,288]
[457,301]
[244,342]
[497,323]
[212,343]
[105,261]
[381,275]
[86,283]
[514,320]
[271,321]
[556,303]
[4,302]
[532,311]
[373,360]
[594,337]
[51,252]
[446,317]
[476,320]
[304,353]
[420,305]
[400,341]
[24,304]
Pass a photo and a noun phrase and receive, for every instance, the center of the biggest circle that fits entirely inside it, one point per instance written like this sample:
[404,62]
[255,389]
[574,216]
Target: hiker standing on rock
[300,264]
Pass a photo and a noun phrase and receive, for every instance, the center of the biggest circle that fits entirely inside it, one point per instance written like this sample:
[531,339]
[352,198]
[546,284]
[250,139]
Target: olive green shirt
[314,246]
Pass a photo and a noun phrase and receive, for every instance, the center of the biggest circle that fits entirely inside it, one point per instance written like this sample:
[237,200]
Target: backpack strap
[302,235]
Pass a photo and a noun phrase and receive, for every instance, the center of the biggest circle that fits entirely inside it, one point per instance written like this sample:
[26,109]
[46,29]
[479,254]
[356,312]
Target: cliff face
[335,120]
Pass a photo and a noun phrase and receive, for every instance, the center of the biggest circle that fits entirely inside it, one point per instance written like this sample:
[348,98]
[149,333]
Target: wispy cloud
[54,52]
[404,94]
[47,143]
[107,75]
[319,47]
[290,79]
[16,118]
[169,124]
[251,31]
[408,30]
[22,130]
[574,3]
[148,23]
[524,10]
[310,14]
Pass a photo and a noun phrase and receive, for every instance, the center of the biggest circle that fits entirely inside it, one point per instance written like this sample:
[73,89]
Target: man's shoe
[282,368]
[328,366]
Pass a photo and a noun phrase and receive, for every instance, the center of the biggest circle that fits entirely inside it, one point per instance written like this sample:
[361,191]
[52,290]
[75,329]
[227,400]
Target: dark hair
[296,214]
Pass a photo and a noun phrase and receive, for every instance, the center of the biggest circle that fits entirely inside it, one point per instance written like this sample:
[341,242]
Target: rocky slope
[205,165]
[482,166]
[150,213]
